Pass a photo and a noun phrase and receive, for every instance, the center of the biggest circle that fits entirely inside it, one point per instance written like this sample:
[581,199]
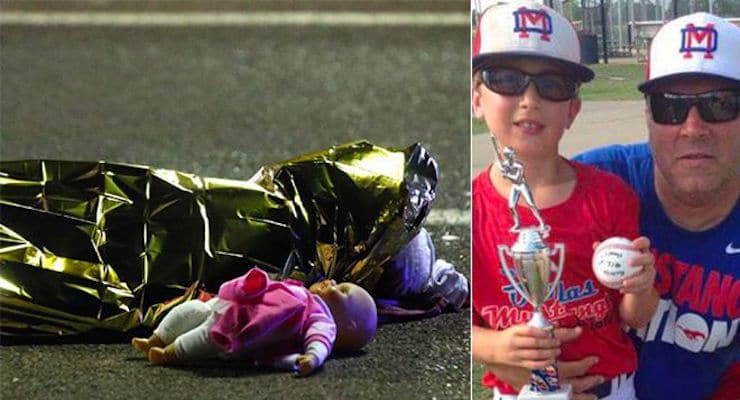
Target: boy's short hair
[523,28]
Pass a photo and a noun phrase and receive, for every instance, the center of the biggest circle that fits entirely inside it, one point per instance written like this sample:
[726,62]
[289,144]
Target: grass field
[612,82]
[479,392]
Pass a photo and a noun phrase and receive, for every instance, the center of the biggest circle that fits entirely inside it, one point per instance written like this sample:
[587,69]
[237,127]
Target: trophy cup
[532,272]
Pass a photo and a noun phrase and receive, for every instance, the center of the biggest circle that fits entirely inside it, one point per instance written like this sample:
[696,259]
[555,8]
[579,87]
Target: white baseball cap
[696,44]
[525,28]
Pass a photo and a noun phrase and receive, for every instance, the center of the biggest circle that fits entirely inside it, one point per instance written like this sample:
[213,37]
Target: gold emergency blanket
[91,245]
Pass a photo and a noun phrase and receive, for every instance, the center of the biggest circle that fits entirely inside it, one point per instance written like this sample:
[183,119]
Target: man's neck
[697,212]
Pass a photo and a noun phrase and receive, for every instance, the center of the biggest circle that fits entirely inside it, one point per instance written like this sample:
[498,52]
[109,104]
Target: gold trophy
[531,271]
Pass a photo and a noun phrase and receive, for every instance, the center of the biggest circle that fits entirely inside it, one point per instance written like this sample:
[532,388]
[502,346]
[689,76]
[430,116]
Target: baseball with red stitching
[611,261]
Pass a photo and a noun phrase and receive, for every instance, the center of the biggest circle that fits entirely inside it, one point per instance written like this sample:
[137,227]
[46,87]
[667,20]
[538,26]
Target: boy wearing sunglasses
[687,181]
[526,74]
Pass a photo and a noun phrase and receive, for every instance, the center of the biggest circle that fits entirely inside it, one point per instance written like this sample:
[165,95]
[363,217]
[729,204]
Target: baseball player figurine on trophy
[532,272]
[513,170]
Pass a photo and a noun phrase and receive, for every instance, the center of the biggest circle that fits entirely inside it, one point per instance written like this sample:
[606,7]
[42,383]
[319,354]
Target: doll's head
[354,313]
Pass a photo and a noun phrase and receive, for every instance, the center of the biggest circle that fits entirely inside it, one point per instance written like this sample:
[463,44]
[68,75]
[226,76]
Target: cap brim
[581,72]
[648,86]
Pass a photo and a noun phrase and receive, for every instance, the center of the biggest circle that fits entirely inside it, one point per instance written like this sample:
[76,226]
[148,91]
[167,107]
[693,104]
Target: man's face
[528,123]
[694,159]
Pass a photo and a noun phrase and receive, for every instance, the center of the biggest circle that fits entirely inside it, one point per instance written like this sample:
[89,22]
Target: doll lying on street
[273,323]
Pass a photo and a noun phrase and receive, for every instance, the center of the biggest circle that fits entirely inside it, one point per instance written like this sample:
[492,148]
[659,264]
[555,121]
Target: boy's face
[528,123]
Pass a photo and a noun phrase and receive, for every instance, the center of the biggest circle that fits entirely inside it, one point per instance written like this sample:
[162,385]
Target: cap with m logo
[702,39]
[523,28]
[532,20]
[699,44]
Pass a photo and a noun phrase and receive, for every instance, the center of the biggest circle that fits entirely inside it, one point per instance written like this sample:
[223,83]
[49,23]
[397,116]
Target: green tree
[727,8]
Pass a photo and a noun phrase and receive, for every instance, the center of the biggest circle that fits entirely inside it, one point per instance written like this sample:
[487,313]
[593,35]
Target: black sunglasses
[512,82]
[714,106]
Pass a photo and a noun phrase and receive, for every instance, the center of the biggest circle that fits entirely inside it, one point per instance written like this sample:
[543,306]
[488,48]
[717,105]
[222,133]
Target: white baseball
[611,261]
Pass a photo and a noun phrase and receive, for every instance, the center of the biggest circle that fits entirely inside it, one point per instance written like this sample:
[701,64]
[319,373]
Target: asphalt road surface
[221,102]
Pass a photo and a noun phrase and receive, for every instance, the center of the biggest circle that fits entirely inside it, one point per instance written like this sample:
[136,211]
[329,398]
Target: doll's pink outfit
[271,322]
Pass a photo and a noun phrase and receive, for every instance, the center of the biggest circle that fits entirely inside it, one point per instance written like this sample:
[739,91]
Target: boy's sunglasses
[714,106]
[512,82]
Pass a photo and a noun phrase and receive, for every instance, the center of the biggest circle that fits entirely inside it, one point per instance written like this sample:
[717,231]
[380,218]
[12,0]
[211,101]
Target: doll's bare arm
[320,333]
[304,364]
[312,359]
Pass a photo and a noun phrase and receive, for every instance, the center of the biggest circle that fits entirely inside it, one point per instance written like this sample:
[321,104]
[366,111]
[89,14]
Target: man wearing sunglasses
[526,73]
[687,180]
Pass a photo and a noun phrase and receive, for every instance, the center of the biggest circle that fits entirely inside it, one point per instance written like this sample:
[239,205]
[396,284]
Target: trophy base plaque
[564,393]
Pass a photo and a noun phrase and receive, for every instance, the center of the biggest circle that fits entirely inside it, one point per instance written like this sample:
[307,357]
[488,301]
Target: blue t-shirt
[693,336]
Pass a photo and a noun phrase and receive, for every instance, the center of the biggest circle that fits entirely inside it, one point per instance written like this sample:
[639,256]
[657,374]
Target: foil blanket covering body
[101,245]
